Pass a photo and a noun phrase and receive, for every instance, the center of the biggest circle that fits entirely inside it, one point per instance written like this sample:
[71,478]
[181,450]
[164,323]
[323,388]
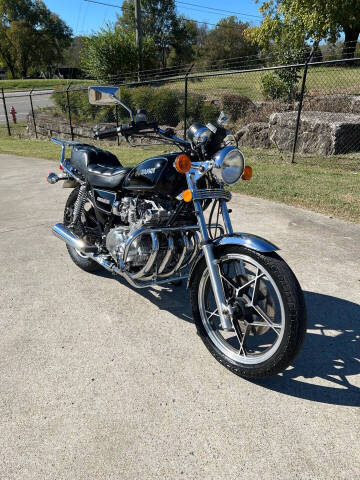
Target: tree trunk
[350,42]
[12,71]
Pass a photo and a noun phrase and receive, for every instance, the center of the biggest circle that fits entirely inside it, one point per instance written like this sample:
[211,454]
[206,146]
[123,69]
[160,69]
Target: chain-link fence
[310,109]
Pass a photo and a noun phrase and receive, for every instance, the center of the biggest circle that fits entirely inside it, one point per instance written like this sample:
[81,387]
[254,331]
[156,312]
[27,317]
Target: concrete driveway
[99,381]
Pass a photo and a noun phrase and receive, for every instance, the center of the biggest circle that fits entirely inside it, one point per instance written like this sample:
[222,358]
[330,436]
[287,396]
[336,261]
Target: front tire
[269,313]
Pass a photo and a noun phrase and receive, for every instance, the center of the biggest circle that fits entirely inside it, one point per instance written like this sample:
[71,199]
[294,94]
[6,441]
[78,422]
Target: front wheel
[268,312]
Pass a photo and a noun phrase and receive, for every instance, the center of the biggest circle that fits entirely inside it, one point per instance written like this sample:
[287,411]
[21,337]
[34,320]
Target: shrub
[194,107]
[164,107]
[236,105]
[273,87]
[198,110]
[81,109]
[141,97]
[209,113]
[284,83]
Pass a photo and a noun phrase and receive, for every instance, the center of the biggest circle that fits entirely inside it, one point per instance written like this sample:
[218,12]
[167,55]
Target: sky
[85,18]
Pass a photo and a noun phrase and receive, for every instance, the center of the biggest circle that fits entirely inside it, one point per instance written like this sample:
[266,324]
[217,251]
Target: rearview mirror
[103,95]
[222,118]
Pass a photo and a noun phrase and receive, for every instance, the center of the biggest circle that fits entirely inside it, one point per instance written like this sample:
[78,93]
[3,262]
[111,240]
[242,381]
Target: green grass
[38,84]
[51,151]
[320,80]
[327,185]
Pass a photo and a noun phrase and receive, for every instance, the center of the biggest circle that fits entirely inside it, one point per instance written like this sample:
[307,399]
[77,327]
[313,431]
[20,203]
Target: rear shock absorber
[79,205]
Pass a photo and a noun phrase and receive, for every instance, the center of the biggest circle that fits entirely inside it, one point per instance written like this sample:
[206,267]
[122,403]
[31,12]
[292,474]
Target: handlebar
[125,129]
[106,133]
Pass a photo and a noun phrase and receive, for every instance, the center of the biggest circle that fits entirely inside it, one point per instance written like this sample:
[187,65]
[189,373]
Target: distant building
[68,72]
[3,71]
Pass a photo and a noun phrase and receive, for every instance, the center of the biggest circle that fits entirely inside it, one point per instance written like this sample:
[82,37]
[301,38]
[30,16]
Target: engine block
[144,245]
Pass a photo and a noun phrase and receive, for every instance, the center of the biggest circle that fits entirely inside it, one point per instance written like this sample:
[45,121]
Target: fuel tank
[156,175]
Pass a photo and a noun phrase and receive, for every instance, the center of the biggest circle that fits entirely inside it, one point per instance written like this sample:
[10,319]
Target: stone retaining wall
[323,133]
[48,126]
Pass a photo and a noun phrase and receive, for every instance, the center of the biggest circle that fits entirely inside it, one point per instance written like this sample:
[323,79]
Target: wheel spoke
[247,284]
[267,319]
[213,313]
[230,282]
[256,286]
[244,339]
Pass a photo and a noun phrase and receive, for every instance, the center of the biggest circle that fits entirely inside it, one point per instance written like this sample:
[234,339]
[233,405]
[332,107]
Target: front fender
[244,239]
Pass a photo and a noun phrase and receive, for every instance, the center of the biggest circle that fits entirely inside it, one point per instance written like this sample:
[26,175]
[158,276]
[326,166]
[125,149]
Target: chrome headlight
[198,133]
[229,165]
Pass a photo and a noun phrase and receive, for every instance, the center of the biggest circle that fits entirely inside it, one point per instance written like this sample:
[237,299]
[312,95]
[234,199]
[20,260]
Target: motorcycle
[149,225]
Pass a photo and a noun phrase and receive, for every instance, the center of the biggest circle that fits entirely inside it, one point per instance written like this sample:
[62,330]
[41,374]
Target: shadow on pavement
[331,352]
[173,299]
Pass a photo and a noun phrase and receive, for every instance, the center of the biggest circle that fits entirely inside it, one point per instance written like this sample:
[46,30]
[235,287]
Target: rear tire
[81,260]
[286,312]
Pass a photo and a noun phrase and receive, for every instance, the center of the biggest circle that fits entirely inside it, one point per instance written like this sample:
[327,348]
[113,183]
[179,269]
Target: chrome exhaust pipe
[151,260]
[169,253]
[62,232]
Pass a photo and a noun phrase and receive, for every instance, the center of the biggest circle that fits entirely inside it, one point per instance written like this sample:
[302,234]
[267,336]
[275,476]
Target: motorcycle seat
[83,155]
[106,176]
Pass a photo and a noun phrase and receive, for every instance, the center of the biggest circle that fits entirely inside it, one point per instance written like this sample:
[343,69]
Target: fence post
[5,111]
[301,101]
[32,112]
[69,111]
[186,98]
[117,121]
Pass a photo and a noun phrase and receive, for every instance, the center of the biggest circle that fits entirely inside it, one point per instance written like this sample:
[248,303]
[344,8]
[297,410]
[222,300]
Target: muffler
[62,232]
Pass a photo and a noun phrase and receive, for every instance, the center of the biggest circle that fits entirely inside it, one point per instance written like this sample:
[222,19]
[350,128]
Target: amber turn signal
[182,163]
[187,195]
[247,173]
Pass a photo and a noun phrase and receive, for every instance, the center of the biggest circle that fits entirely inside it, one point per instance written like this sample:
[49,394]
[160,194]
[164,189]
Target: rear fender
[70,183]
[253,242]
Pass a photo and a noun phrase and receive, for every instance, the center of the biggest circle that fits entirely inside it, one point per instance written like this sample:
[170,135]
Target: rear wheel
[80,259]
[269,315]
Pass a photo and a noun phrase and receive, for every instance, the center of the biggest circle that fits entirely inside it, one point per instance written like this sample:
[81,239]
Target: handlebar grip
[106,133]
[125,129]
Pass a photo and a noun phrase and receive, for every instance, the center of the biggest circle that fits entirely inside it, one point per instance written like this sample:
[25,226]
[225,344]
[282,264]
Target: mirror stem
[126,108]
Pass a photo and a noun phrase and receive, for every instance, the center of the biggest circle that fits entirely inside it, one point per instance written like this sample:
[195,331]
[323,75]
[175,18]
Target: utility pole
[138,35]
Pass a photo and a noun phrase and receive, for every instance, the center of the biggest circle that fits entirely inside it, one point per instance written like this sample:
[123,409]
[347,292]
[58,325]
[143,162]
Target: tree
[184,40]
[161,23]
[31,36]
[227,40]
[112,52]
[72,55]
[294,22]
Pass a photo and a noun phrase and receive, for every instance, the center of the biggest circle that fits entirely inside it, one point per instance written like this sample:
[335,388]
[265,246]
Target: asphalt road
[100,381]
[21,102]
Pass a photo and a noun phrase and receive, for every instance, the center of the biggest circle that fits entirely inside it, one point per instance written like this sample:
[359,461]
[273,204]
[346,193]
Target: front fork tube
[224,310]
[239,266]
